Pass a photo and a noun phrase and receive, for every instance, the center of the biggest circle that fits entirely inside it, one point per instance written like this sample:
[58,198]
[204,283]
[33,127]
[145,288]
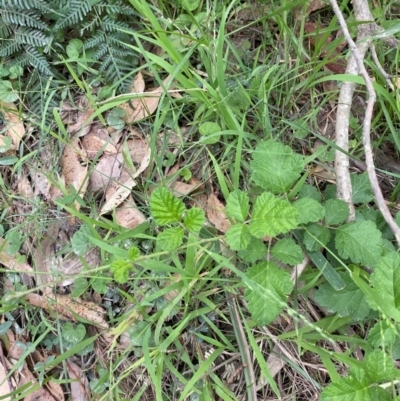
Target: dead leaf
[98,140]
[4,383]
[215,213]
[313,5]
[180,188]
[76,118]
[24,188]
[145,105]
[138,149]
[128,215]
[70,308]
[107,170]
[12,261]
[80,390]
[74,167]
[15,127]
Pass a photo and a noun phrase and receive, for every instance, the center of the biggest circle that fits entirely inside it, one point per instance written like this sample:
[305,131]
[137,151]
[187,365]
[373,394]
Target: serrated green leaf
[238,237]
[315,237]
[382,334]
[133,253]
[379,367]
[275,166]
[165,208]
[100,285]
[309,191]
[350,301]
[170,239]
[73,333]
[194,219]
[237,206]
[268,298]
[287,251]
[272,216]
[120,270]
[362,191]
[310,211]
[80,241]
[336,212]
[256,250]
[360,241]
[386,279]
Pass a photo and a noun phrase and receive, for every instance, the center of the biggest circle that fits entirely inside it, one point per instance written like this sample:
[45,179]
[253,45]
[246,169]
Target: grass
[179,324]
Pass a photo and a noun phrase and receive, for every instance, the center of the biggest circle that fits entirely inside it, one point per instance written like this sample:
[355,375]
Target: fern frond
[95,40]
[111,25]
[57,4]
[117,7]
[5,30]
[37,60]
[29,18]
[9,47]
[26,4]
[90,25]
[75,13]
[32,37]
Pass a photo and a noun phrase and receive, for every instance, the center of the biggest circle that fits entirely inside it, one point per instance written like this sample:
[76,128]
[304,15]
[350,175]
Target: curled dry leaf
[74,167]
[80,390]
[98,140]
[215,214]
[143,106]
[128,215]
[15,127]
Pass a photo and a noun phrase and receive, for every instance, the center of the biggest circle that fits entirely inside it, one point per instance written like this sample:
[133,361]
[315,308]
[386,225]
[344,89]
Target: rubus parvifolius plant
[298,221]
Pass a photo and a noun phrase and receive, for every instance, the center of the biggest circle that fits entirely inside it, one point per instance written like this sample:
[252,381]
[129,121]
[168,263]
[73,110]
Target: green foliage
[170,239]
[121,270]
[310,210]
[237,205]
[287,251]
[271,287]
[165,208]
[336,212]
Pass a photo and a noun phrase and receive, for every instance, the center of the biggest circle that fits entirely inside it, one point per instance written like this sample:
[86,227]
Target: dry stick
[361,11]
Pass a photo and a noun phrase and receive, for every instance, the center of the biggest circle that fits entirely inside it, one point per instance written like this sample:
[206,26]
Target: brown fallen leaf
[98,140]
[24,188]
[12,261]
[128,215]
[180,188]
[76,118]
[107,171]
[70,308]
[5,387]
[80,390]
[74,167]
[145,105]
[15,126]
[215,213]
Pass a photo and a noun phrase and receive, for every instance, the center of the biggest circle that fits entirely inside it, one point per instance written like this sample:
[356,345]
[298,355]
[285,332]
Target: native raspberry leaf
[194,219]
[267,297]
[287,251]
[238,237]
[382,334]
[170,239]
[165,208]
[120,269]
[256,250]
[386,279]
[336,212]
[310,211]
[237,206]
[316,237]
[272,216]
[275,166]
[379,367]
[133,253]
[350,301]
[360,241]
[309,191]
[361,188]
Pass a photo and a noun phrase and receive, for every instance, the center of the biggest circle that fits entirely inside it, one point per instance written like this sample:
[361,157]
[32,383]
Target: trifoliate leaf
[362,191]
[309,191]
[316,237]
[194,219]
[272,216]
[386,279]
[120,269]
[267,297]
[170,238]
[382,334]
[275,166]
[237,206]
[350,301]
[310,211]
[256,250]
[287,251]
[165,208]
[238,237]
[360,241]
[73,333]
[336,212]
